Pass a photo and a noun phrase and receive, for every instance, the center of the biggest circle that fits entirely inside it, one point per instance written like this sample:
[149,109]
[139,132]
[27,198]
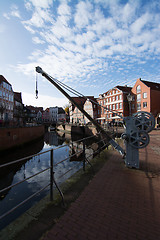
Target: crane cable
[78,94]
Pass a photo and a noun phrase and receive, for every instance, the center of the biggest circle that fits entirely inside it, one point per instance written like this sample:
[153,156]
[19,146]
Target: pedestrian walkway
[119,203]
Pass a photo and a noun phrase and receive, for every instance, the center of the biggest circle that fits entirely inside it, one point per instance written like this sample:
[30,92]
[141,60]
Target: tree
[66,109]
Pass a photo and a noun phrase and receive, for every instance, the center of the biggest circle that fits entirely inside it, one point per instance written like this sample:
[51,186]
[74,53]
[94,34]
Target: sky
[90,45]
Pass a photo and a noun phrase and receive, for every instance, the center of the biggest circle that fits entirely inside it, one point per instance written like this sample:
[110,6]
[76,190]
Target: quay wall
[87,130]
[14,137]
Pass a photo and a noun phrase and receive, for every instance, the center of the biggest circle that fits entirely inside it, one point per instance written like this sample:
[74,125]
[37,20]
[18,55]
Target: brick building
[115,100]
[147,97]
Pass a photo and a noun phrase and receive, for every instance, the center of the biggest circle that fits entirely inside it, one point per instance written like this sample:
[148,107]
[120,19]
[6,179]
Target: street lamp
[129,98]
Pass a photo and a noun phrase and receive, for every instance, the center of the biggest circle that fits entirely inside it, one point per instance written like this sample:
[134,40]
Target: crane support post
[108,137]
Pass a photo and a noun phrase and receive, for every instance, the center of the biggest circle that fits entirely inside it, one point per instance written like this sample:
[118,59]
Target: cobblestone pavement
[119,203]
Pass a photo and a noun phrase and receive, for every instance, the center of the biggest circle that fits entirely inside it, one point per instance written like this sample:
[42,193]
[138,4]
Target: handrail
[52,171]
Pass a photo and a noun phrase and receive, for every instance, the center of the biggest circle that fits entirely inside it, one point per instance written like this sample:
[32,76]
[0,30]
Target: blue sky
[91,46]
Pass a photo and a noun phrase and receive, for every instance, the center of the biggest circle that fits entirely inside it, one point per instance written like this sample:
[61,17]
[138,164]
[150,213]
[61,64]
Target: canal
[18,172]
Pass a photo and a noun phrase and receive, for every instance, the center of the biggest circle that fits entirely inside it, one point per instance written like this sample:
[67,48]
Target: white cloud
[6,15]
[37,40]
[43,100]
[83,14]
[14,12]
[140,23]
[38,3]
[78,40]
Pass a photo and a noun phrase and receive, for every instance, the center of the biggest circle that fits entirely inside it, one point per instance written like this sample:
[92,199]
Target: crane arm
[108,137]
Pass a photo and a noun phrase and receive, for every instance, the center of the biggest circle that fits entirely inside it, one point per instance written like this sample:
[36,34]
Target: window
[138,97]
[120,105]
[133,106]
[144,95]
[120,97]
[117,98]
[138,106]
[145,104]
[113,99]
[116,105]
[138,89]
[113,106]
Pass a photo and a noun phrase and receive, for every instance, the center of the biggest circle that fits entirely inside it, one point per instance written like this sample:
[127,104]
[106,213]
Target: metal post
[51,175]
[84,156]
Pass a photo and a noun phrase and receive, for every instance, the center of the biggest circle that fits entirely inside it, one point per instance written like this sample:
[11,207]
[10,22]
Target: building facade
[91,108]
[114,104]
[61,115]
[6,101]
[57,114]
[18,111]
[53,114]
[76,116]
[147,98]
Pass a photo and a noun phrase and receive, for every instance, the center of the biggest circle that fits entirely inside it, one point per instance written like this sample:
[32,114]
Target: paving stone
[119,203]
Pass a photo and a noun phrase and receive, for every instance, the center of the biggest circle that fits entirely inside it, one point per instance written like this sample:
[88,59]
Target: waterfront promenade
[118,203]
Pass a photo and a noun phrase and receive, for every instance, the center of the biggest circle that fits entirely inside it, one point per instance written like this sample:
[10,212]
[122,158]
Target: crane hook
[36,87]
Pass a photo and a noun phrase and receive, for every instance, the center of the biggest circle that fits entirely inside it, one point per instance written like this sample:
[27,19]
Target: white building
[57,114]
[53,114]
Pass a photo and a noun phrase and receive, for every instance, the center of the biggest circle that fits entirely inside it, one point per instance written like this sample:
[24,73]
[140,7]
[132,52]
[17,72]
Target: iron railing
[51,167]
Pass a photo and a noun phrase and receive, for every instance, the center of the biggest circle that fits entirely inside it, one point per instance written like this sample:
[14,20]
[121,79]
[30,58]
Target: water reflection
[20,171]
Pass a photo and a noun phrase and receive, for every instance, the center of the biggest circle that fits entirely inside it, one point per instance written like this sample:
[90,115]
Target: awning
[100,118]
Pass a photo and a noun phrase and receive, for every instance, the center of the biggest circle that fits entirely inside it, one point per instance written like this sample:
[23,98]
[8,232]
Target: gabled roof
[81,100]
[124,88]
[61,110]
[36,109]
[152,85]
[2,79]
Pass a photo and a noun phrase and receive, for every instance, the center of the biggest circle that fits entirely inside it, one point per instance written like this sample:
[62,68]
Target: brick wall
[13,137]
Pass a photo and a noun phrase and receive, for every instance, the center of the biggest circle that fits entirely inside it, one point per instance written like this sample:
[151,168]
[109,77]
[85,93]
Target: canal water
[21,171]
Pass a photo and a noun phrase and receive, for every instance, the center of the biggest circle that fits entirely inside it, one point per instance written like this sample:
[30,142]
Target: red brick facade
[115,102]
[145,96]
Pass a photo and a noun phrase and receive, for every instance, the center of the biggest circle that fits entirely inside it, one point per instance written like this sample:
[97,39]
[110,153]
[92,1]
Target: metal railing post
[51,175]
[84,156]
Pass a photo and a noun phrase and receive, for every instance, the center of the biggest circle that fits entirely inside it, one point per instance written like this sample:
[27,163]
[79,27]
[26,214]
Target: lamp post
[129,98]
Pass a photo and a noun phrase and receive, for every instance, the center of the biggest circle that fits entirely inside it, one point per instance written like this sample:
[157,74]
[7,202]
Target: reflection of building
[147,97]
[115,100]
[6,100]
